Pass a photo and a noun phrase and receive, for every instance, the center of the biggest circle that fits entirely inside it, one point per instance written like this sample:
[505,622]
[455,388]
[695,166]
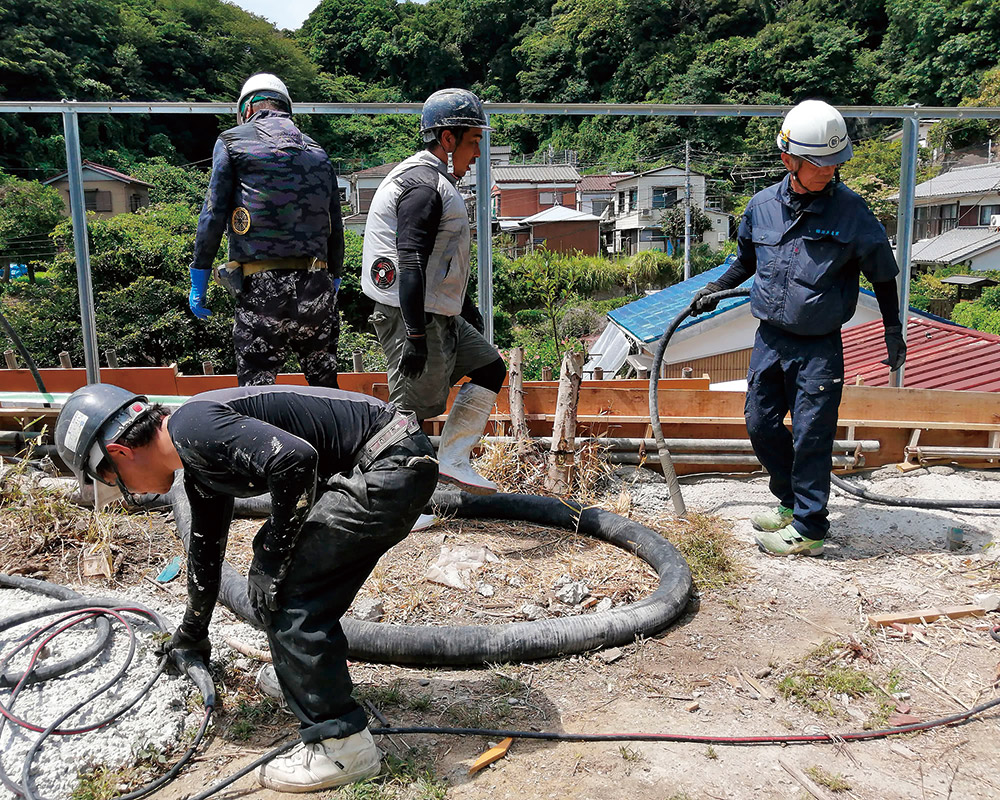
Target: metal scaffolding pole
[484,234]
[904,227]
[81,250]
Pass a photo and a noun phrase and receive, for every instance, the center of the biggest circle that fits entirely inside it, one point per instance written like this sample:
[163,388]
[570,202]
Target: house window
[985,212]
[633,199]
[134,202]
[95,200]
[651,235]
[621,202]
[664,197]
[546,198]
[597,207]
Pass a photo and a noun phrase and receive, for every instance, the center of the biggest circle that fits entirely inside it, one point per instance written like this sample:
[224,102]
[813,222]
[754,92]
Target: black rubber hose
[908,502]
[47,671]
[515,641]
[24,354]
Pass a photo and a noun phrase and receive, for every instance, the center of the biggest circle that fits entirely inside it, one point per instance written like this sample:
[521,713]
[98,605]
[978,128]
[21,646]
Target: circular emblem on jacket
[383,273]
[241,220]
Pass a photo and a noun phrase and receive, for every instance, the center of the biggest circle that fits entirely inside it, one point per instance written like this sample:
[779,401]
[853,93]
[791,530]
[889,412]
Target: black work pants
[356,519]
[803,375]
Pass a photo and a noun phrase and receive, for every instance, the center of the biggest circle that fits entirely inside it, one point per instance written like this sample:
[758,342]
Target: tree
[29,212]
[551,278]
[672,222]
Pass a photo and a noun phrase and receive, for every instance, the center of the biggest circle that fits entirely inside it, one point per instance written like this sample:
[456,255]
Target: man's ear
[448,140]
[115,449]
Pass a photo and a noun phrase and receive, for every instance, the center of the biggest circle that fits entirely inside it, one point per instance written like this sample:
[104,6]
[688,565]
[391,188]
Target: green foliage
[551,280]
[355,307]
[982,314]
[27,209]
[672,222]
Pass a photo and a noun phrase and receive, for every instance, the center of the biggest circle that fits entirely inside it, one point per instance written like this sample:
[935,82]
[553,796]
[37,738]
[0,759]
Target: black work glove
[414,357]
[471,314]
[182,642]
[703,302]
[895,347]
[262,589]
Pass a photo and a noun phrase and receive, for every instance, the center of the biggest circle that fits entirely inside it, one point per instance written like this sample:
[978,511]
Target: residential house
[976,248]
[717,343]
[640,201]
[522,190]
[596,192]
[106,191]
[363,184]
[558,229]
[965,197]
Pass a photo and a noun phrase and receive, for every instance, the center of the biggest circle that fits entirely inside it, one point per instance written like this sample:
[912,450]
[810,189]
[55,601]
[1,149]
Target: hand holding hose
[703,301]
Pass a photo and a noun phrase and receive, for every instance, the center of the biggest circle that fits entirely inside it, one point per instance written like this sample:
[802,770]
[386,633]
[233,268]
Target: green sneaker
[773,519]
[789,542]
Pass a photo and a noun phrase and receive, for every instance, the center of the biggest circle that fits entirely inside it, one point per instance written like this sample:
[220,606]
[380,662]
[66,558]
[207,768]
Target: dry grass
[521,468]
[45,535]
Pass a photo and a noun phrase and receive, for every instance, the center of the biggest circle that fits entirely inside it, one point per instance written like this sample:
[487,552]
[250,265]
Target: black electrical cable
[840,483]
[77,610]
[24,354]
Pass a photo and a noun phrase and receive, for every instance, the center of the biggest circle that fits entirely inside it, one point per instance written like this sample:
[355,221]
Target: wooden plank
[926,615]
[491,755]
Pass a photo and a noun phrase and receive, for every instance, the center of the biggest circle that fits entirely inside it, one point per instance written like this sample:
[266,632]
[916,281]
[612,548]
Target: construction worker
[415,266]
[274,193]
[805,240]
[347,474]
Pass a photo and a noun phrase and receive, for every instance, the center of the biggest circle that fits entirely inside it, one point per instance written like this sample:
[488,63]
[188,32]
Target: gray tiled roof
[955,246]
[962,181]
[535,173]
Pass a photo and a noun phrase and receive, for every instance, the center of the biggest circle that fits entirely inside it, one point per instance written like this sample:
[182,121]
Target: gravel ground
[165,718]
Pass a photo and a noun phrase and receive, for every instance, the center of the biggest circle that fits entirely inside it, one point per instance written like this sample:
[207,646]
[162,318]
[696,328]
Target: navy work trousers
[803,375]
[357,517]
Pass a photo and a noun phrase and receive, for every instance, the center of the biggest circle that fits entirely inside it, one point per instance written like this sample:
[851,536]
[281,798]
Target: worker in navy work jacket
[416,266]
[274,193]
[347,475]
[805,240]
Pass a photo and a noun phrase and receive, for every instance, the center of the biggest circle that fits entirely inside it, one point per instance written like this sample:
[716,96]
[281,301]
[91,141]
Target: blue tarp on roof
[648,317]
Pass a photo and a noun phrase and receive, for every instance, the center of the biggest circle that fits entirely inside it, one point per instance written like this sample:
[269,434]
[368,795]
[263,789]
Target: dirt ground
[775,646]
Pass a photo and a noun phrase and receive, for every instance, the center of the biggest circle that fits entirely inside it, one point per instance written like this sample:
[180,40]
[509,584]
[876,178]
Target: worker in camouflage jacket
[274,193]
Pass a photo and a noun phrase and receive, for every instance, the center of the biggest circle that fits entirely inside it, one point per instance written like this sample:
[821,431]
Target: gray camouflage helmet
[451,108]
[92,418]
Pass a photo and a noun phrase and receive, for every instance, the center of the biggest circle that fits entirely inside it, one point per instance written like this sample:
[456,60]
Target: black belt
[399,427]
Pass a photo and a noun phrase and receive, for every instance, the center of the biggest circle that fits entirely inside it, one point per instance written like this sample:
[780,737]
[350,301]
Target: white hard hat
[816,131]
[265,84]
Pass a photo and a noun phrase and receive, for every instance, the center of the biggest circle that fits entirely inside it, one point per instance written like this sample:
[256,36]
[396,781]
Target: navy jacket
[274,193]
[807,265]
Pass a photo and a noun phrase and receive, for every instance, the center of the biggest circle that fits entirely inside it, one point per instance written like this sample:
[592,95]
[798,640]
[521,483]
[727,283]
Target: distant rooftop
[103,170]
[376,172]
[955,246]
[601,183]
[535,173]
[960,182]
[559,214]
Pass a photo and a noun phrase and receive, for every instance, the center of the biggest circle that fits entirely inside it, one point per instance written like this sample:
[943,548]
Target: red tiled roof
[111,173]
[939,356]
[598,183]
[376,172]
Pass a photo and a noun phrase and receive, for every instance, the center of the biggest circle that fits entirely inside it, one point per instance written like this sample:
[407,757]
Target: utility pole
[687,209]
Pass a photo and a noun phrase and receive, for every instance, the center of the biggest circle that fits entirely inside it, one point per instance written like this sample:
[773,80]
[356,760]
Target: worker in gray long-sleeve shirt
[347,474]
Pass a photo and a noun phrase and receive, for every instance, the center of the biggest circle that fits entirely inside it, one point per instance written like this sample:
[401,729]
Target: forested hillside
[684,51]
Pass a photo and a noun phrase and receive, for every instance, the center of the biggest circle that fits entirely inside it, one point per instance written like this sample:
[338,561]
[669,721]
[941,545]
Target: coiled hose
[73,610]
[840,483]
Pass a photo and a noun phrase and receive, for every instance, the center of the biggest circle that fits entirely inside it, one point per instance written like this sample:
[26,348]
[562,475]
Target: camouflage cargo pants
[284,310]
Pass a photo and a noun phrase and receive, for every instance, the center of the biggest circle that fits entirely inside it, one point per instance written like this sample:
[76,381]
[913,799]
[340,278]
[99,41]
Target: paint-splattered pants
[803,375]
[284,310]
[357,517]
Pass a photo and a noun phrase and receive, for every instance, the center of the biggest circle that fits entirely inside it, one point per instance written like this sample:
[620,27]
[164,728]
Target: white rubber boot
[463,430]
[321,765]
[267,682]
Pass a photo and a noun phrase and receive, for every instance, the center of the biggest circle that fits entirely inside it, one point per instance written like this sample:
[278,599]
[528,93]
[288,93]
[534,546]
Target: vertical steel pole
[74,171]
[687,209]
[484,234]
[904,226]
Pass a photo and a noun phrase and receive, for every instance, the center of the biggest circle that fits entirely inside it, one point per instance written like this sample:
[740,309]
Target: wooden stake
[207,367]
[10,358]
[491,755]
[359,361]
[926,615]
[559,479]
[64,360]
[516,394]
[809,785]
[112,358]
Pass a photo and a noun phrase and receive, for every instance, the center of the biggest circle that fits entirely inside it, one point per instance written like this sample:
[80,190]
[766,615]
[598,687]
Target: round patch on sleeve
[383,273]
[240,220]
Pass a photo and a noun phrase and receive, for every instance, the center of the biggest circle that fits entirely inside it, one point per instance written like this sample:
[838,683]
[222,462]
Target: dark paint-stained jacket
[807,265]
[244,442]
[274,193]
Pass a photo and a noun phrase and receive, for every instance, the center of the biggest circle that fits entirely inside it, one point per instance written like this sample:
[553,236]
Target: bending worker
[274,193]
[416,266]
[805,240]
[348,475]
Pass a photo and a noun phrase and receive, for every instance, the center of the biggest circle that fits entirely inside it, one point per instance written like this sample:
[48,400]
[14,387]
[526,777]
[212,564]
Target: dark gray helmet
[451,108]
[92,418]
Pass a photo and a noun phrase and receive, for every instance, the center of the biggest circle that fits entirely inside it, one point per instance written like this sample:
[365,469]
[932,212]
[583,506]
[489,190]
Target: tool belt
[399,427]
[305,262]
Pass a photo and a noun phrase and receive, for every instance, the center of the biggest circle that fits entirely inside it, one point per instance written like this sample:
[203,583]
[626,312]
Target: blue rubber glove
[199,290]
[336,285]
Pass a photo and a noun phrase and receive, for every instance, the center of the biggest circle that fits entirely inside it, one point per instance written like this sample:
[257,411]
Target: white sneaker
[424,521]
[321,765]
[267,682]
